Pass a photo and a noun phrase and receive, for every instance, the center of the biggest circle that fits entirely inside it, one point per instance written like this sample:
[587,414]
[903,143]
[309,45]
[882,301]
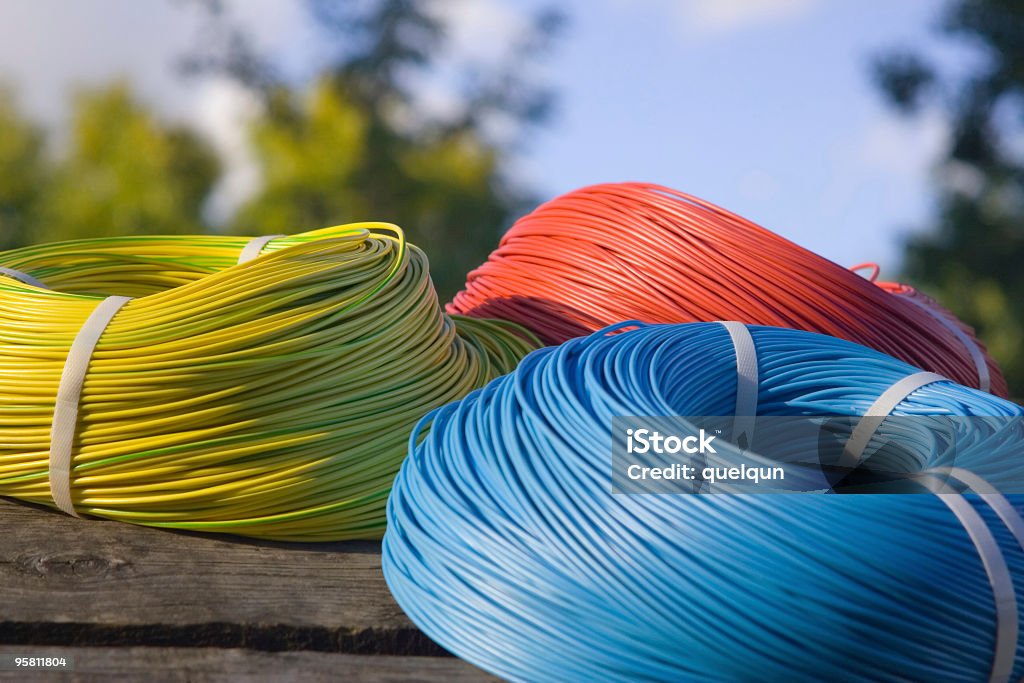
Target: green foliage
[126,173]
[453,204]
[352,145]
[23,172]
[356,146]
[970,257]
[310,152]
[319,168]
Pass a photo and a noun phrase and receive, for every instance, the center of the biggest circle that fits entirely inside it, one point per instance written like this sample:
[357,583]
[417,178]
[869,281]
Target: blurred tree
[125,172]
[357,145]
[971,257]
[23,170]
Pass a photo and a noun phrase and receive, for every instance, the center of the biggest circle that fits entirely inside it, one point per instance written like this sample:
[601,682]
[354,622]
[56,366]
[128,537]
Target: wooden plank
[66,581]
[211,665]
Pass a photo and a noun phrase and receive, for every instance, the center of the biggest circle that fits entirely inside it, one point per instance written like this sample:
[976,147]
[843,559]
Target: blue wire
[507,547]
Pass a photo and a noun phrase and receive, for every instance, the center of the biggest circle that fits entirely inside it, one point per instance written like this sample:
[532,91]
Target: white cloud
[714,18]
[887,164]
[223,113]
[723,16]
[482,33]
[905,149]
[479,29]
[49,47]
[962,178]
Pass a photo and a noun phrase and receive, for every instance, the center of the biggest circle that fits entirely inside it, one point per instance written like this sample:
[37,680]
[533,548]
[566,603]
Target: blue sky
[762,106]
[771,114]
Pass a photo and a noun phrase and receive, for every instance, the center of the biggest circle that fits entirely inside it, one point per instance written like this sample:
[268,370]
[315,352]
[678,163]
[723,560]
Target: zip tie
[255,246]
[879,410]
[21,277]
[984,378]
[746,389]
[746,381]
[69,394]
[992,497]
[992,559]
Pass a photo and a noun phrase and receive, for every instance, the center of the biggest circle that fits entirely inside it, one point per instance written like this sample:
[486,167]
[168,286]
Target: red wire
[624,251]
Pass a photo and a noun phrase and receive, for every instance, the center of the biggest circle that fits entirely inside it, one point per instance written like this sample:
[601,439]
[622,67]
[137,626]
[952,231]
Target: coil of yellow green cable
[272,398]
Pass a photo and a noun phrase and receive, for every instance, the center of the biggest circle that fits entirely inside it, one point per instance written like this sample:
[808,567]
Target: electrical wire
[625,251]
[506,545]
[270,399]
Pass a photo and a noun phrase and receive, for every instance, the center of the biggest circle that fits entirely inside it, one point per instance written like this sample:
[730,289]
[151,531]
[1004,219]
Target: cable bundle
[506,545]
[271,398]
[628,251]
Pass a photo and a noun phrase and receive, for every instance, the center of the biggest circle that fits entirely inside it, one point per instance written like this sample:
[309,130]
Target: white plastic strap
[255,246]
[984,378]
[992,558]
[69,393]
[879,410]
[746,380]
[993,498]
[24,278]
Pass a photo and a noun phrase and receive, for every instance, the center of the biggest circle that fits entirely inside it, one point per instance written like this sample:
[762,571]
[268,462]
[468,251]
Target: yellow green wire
[271,399]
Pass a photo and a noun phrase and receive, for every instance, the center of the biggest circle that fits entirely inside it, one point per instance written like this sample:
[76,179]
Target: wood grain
[208,665]
[66,581]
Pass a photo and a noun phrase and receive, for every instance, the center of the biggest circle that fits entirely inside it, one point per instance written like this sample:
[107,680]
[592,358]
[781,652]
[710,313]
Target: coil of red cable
[639,251]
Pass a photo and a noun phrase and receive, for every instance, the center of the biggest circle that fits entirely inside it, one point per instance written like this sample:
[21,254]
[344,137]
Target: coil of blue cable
[506,545]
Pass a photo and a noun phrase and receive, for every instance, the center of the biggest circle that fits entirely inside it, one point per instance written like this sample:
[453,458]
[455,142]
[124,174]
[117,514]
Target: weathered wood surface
[70,583]
[209,665]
